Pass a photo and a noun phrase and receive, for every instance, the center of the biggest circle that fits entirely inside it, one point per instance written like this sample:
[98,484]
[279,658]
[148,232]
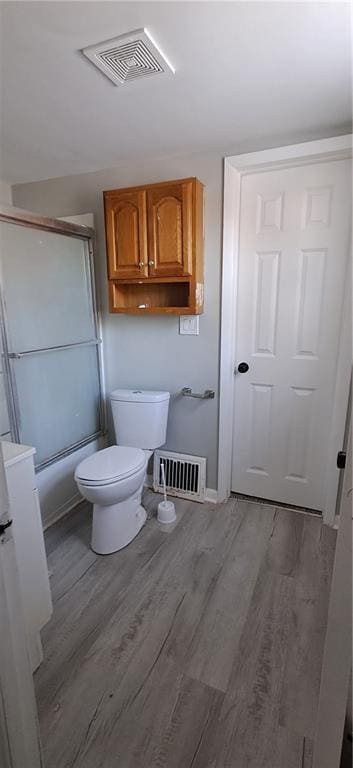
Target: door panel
[267,277]
[301,403]
[126,227]
[294,241]
[312,264]
[261,415]
[170,229]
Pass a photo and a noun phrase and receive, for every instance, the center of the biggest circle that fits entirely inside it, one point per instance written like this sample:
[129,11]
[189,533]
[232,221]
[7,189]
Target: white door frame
[336,148]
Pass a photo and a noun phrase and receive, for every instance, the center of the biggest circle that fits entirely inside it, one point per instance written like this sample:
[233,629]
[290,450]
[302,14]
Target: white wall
[5,193]
[147,351]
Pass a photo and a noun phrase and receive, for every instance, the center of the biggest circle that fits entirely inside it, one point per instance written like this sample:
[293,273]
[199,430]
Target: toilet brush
[166,509]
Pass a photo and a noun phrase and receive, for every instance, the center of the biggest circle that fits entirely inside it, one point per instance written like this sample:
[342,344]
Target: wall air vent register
[185,475]
[129,57]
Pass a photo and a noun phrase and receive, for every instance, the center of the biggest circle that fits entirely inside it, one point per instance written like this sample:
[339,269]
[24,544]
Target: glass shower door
[51,344]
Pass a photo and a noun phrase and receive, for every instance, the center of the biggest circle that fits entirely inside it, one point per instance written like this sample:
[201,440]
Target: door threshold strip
[279,504]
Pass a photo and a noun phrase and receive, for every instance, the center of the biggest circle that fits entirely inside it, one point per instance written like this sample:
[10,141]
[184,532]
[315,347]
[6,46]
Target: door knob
[141,264]
[243,367]
[151,263]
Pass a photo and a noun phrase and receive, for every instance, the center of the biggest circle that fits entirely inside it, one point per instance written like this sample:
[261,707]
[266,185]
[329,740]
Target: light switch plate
[189,325]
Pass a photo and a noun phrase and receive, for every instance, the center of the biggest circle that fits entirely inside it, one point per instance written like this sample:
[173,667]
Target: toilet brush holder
[166,512]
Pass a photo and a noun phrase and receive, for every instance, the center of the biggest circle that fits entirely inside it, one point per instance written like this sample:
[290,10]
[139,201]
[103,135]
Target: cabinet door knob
[141,264]
[151,263]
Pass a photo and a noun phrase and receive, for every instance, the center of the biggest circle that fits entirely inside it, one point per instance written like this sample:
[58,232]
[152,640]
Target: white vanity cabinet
[29,544]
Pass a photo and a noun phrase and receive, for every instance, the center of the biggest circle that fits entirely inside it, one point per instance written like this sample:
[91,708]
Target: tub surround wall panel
[56,484]
[148,351]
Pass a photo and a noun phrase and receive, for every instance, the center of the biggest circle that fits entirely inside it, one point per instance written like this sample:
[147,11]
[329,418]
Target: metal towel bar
[207,395]
[18,355]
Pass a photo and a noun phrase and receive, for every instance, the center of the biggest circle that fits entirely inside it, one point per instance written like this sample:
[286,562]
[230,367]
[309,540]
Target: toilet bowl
[112,479]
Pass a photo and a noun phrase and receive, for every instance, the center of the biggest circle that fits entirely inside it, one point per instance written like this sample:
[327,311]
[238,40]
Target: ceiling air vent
[129,57]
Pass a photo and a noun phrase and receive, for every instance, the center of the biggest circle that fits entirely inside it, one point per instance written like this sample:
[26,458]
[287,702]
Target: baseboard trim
[211,494]
[57,514]
[336,522]
[148,482]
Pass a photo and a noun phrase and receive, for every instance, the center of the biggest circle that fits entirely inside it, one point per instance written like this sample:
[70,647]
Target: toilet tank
[140,417]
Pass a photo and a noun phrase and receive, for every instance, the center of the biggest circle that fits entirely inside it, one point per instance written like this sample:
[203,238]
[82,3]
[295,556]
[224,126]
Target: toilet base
[114,526]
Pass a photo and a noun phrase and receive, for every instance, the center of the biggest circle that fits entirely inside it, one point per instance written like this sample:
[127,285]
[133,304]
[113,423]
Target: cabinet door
[170,229]
[126,228]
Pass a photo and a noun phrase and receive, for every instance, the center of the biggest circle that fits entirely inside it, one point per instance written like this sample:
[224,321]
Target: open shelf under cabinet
[151,298]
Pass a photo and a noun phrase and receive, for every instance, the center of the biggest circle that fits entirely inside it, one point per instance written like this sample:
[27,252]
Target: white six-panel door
[293,263]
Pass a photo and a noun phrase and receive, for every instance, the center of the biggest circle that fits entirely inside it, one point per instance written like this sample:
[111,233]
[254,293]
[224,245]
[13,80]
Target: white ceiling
[248,75]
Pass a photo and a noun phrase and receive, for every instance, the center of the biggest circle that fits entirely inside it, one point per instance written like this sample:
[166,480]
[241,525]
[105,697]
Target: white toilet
[112,479]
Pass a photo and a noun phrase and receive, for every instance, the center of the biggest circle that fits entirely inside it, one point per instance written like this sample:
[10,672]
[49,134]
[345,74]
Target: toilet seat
[110,465]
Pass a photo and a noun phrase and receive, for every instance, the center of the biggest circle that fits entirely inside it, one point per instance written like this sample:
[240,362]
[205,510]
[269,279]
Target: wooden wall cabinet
[154,238]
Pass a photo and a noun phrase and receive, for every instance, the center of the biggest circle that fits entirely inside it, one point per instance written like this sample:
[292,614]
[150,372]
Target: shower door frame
[23,218]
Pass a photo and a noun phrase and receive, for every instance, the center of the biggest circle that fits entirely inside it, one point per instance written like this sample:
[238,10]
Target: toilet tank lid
[139,396]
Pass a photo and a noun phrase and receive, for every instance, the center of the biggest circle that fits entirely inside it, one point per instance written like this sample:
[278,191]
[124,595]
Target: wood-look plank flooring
[197,646]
